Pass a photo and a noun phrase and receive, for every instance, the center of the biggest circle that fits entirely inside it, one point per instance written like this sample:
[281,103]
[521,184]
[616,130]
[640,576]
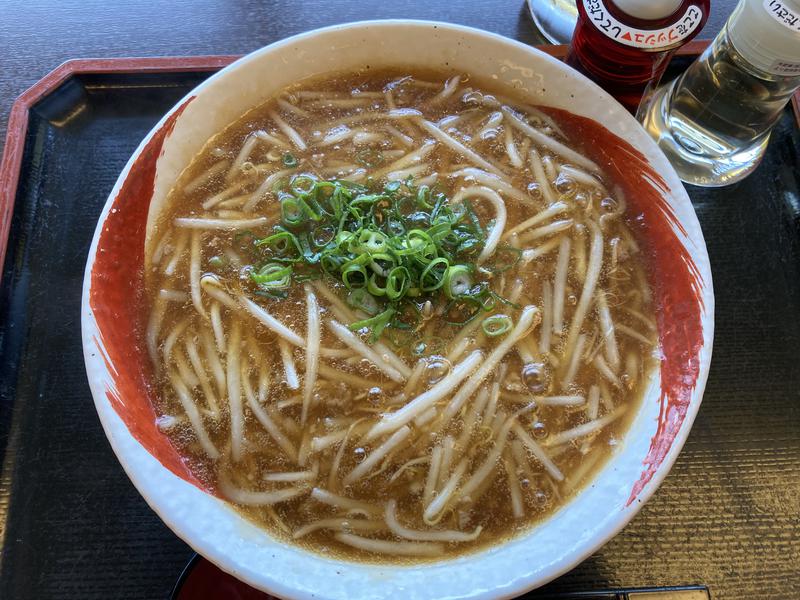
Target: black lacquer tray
[73,526]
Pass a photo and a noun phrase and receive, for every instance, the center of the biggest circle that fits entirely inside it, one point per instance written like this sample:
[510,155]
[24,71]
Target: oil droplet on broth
[535,377]
[535,191]
[539,430]
[436,369]
[609,204]
[565,185]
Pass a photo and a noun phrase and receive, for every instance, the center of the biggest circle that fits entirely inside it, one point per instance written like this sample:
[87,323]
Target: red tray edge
[18,120]
[17,127]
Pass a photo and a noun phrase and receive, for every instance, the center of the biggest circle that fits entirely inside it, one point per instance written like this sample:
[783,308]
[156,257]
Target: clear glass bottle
[714,121]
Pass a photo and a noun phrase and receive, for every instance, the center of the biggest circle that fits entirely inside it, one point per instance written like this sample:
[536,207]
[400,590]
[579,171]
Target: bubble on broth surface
[536,377]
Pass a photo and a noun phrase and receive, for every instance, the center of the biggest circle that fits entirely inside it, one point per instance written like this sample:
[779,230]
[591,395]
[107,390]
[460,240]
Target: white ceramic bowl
[117,366]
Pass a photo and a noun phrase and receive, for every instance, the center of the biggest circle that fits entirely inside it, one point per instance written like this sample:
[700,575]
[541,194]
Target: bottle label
[646,39]
[783,14]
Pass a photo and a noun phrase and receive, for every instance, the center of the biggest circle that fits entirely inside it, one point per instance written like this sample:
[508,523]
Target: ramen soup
[394,316]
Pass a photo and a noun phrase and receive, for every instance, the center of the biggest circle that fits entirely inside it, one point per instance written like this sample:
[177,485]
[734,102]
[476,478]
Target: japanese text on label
[650,39]
[783,14]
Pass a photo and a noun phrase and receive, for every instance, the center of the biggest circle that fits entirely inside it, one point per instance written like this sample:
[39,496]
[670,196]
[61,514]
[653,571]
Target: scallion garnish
[390,247]
[354,276]
[496,325]
[302,185]
[361,299]
[273,279]
[289,160]
[282,245]
[432,277]
[457,281]
[505,257]
[291,210]
[375,324]
[397,283]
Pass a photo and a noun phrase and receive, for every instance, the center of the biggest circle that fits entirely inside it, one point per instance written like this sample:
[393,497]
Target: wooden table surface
[38,35]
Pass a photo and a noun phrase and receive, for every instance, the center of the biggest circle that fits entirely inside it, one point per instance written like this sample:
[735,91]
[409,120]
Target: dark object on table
[201,580]
[695,592]
[75,528]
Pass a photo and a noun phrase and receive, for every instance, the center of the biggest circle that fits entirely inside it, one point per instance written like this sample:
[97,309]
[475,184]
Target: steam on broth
[396,317]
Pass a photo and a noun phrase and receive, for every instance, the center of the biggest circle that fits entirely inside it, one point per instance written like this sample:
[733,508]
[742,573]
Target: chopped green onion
[487,300]
[432,277]
[282,245]
[474,219]
[457,281]
[301,185]
[289,160]
[397,282]
[291,211]
[374,287]
[392,187]
[216,262]
[376,324]
[354,276]
[424,197]
[323,235]
[496,325]
[382,263]
[395,227]
[371,241]
[505,257]
[331,264]
[469,246]
[272,277]
[390,247]
[361,299]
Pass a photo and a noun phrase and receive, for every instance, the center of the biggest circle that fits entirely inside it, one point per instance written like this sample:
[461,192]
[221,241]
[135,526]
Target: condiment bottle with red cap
[625,45]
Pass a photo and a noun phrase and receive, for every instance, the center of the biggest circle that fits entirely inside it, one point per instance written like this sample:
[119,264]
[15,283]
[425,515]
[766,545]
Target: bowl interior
[118,378]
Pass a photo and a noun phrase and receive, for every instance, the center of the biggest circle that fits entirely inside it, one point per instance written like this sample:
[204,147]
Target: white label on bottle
[783,14]
[648,39]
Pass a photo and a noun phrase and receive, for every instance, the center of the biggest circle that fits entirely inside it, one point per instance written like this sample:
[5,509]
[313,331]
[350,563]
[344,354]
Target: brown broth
[177,328]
